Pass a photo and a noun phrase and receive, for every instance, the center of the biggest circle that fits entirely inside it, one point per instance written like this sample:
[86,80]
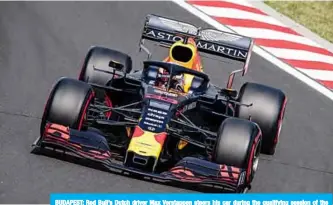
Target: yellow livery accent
[145,145]
[182,144]
[128,130]
[187,82]
[188,64]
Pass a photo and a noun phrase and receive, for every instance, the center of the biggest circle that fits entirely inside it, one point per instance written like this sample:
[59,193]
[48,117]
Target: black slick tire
[267,110]
[67,104]
[96,67]
[238,144]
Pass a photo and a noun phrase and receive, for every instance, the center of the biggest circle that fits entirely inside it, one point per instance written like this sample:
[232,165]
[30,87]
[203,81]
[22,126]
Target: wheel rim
[256,156]
[255,164]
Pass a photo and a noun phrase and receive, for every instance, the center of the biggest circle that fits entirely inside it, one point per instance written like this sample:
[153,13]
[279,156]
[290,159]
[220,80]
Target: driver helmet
[184,54]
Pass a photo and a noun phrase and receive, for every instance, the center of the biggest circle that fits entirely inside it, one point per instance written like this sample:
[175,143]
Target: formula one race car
[166,121]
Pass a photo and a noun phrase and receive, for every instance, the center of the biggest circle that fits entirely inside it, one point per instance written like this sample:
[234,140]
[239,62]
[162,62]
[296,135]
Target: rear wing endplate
[219,43]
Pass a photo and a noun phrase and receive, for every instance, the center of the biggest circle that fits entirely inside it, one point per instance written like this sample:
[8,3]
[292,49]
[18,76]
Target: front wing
[190,171]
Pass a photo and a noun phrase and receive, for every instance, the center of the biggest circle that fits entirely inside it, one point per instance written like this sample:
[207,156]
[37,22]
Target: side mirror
[228,92]
[116,65]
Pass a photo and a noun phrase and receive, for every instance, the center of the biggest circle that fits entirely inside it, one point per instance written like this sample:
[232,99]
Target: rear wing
[219,43]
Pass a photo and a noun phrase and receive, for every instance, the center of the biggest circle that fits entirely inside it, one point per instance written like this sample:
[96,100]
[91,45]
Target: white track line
[271,58]
[326,75]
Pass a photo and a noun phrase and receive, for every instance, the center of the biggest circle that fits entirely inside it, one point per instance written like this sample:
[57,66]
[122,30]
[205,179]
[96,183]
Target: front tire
[67,104]
[238,144]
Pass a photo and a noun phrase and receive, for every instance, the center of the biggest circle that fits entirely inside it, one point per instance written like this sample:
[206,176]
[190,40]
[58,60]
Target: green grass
[317,16]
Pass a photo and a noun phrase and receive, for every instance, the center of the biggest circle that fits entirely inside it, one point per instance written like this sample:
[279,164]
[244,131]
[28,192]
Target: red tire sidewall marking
[249,171]
[85,108]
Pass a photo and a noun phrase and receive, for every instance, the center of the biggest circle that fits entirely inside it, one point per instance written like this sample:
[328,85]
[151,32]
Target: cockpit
[196,81]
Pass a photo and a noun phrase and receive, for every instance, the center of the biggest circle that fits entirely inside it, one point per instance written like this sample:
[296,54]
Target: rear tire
[267,111]
[67,104]
[238,144]
[99,58]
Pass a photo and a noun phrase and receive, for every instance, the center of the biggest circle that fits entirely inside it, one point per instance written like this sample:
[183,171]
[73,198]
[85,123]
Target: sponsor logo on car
[204,44]
[165,93]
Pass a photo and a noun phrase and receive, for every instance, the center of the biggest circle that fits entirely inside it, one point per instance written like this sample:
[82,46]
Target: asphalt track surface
[42,41]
